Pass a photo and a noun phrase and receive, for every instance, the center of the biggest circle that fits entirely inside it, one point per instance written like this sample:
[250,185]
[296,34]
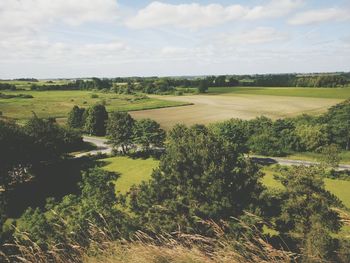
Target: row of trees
[202,176]
[304,133]
[94,83]
[122,130]
[7,86]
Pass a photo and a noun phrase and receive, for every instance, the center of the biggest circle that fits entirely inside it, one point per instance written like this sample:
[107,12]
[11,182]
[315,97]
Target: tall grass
[150,248]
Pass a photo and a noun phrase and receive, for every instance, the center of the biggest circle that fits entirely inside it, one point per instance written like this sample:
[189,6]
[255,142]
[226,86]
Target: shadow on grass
[55,179]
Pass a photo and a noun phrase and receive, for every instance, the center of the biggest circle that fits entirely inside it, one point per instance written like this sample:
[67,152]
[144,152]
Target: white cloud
[195,16]
[274,9]
[31,49]
[260,35]
[27,15]
[319,16]
[184,15]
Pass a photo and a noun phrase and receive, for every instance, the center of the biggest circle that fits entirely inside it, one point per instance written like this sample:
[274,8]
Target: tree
[199,177]
[266,144]
[312,137]
[306,210]
[338,118]
[148,133]
[330,156]
[49,139]
[203,86]
[75,118]
[73,219]
[233,131]
[120,130]
[96,118]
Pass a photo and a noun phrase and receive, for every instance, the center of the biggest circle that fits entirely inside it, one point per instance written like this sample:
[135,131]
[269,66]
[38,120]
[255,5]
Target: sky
[111,38]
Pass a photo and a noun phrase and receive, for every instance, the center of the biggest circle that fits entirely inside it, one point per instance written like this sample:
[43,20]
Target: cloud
[319,16]
[196,16]
[27,15]
[274,9]
[260,35]
[26,48]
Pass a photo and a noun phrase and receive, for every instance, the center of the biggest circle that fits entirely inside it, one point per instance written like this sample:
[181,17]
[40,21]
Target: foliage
[200,176]
[95,118]
[306,211]
[312,137]
[76,118]
[330,156]
[71,218]
[338,118]
[50,140]
[120,130]
[233,131]
[148,133]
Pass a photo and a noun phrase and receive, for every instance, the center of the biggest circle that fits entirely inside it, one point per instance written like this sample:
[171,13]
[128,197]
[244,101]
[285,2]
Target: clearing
[132,171]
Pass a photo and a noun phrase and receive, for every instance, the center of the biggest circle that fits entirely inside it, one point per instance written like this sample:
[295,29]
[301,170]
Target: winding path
[103,147]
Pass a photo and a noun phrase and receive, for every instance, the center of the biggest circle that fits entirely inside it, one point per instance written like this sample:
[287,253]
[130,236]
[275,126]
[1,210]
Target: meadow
[57,104]
[131,171]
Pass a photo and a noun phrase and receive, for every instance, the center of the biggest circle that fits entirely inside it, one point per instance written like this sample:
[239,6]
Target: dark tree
[96,119]
[76,118]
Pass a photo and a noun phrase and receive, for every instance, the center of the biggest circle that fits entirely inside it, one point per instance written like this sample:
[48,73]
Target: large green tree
[96,119]
[200,176]
[76,118]
[306,213]
[120,130]
[148,133]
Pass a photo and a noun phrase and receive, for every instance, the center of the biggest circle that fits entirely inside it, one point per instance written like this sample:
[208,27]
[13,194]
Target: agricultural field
[58,103]
[213,108]
[328,93]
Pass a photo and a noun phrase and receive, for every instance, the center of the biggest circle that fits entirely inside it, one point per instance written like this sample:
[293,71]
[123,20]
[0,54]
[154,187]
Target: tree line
[122,130]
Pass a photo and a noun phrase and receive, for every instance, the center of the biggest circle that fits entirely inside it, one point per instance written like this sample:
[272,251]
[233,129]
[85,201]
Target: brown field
[213,108]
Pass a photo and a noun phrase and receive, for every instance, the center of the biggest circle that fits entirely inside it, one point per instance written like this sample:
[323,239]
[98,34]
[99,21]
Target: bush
[94,96]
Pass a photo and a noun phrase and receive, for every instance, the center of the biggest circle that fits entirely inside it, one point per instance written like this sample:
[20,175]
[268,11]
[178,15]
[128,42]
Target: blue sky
[109,38]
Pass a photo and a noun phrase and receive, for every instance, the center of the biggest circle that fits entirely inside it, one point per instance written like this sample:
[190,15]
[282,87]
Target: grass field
[58,103]
[330,93]
[213,108]
[340,188]
[132,171]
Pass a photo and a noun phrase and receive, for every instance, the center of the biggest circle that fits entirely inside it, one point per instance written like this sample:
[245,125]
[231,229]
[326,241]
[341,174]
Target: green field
[331,93]
[132,171]
[58,103]
[340,188]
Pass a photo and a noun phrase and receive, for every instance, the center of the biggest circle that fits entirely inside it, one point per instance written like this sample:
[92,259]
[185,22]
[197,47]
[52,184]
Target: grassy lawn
[58,103]
[132,171]
[340,188]
[332,93]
